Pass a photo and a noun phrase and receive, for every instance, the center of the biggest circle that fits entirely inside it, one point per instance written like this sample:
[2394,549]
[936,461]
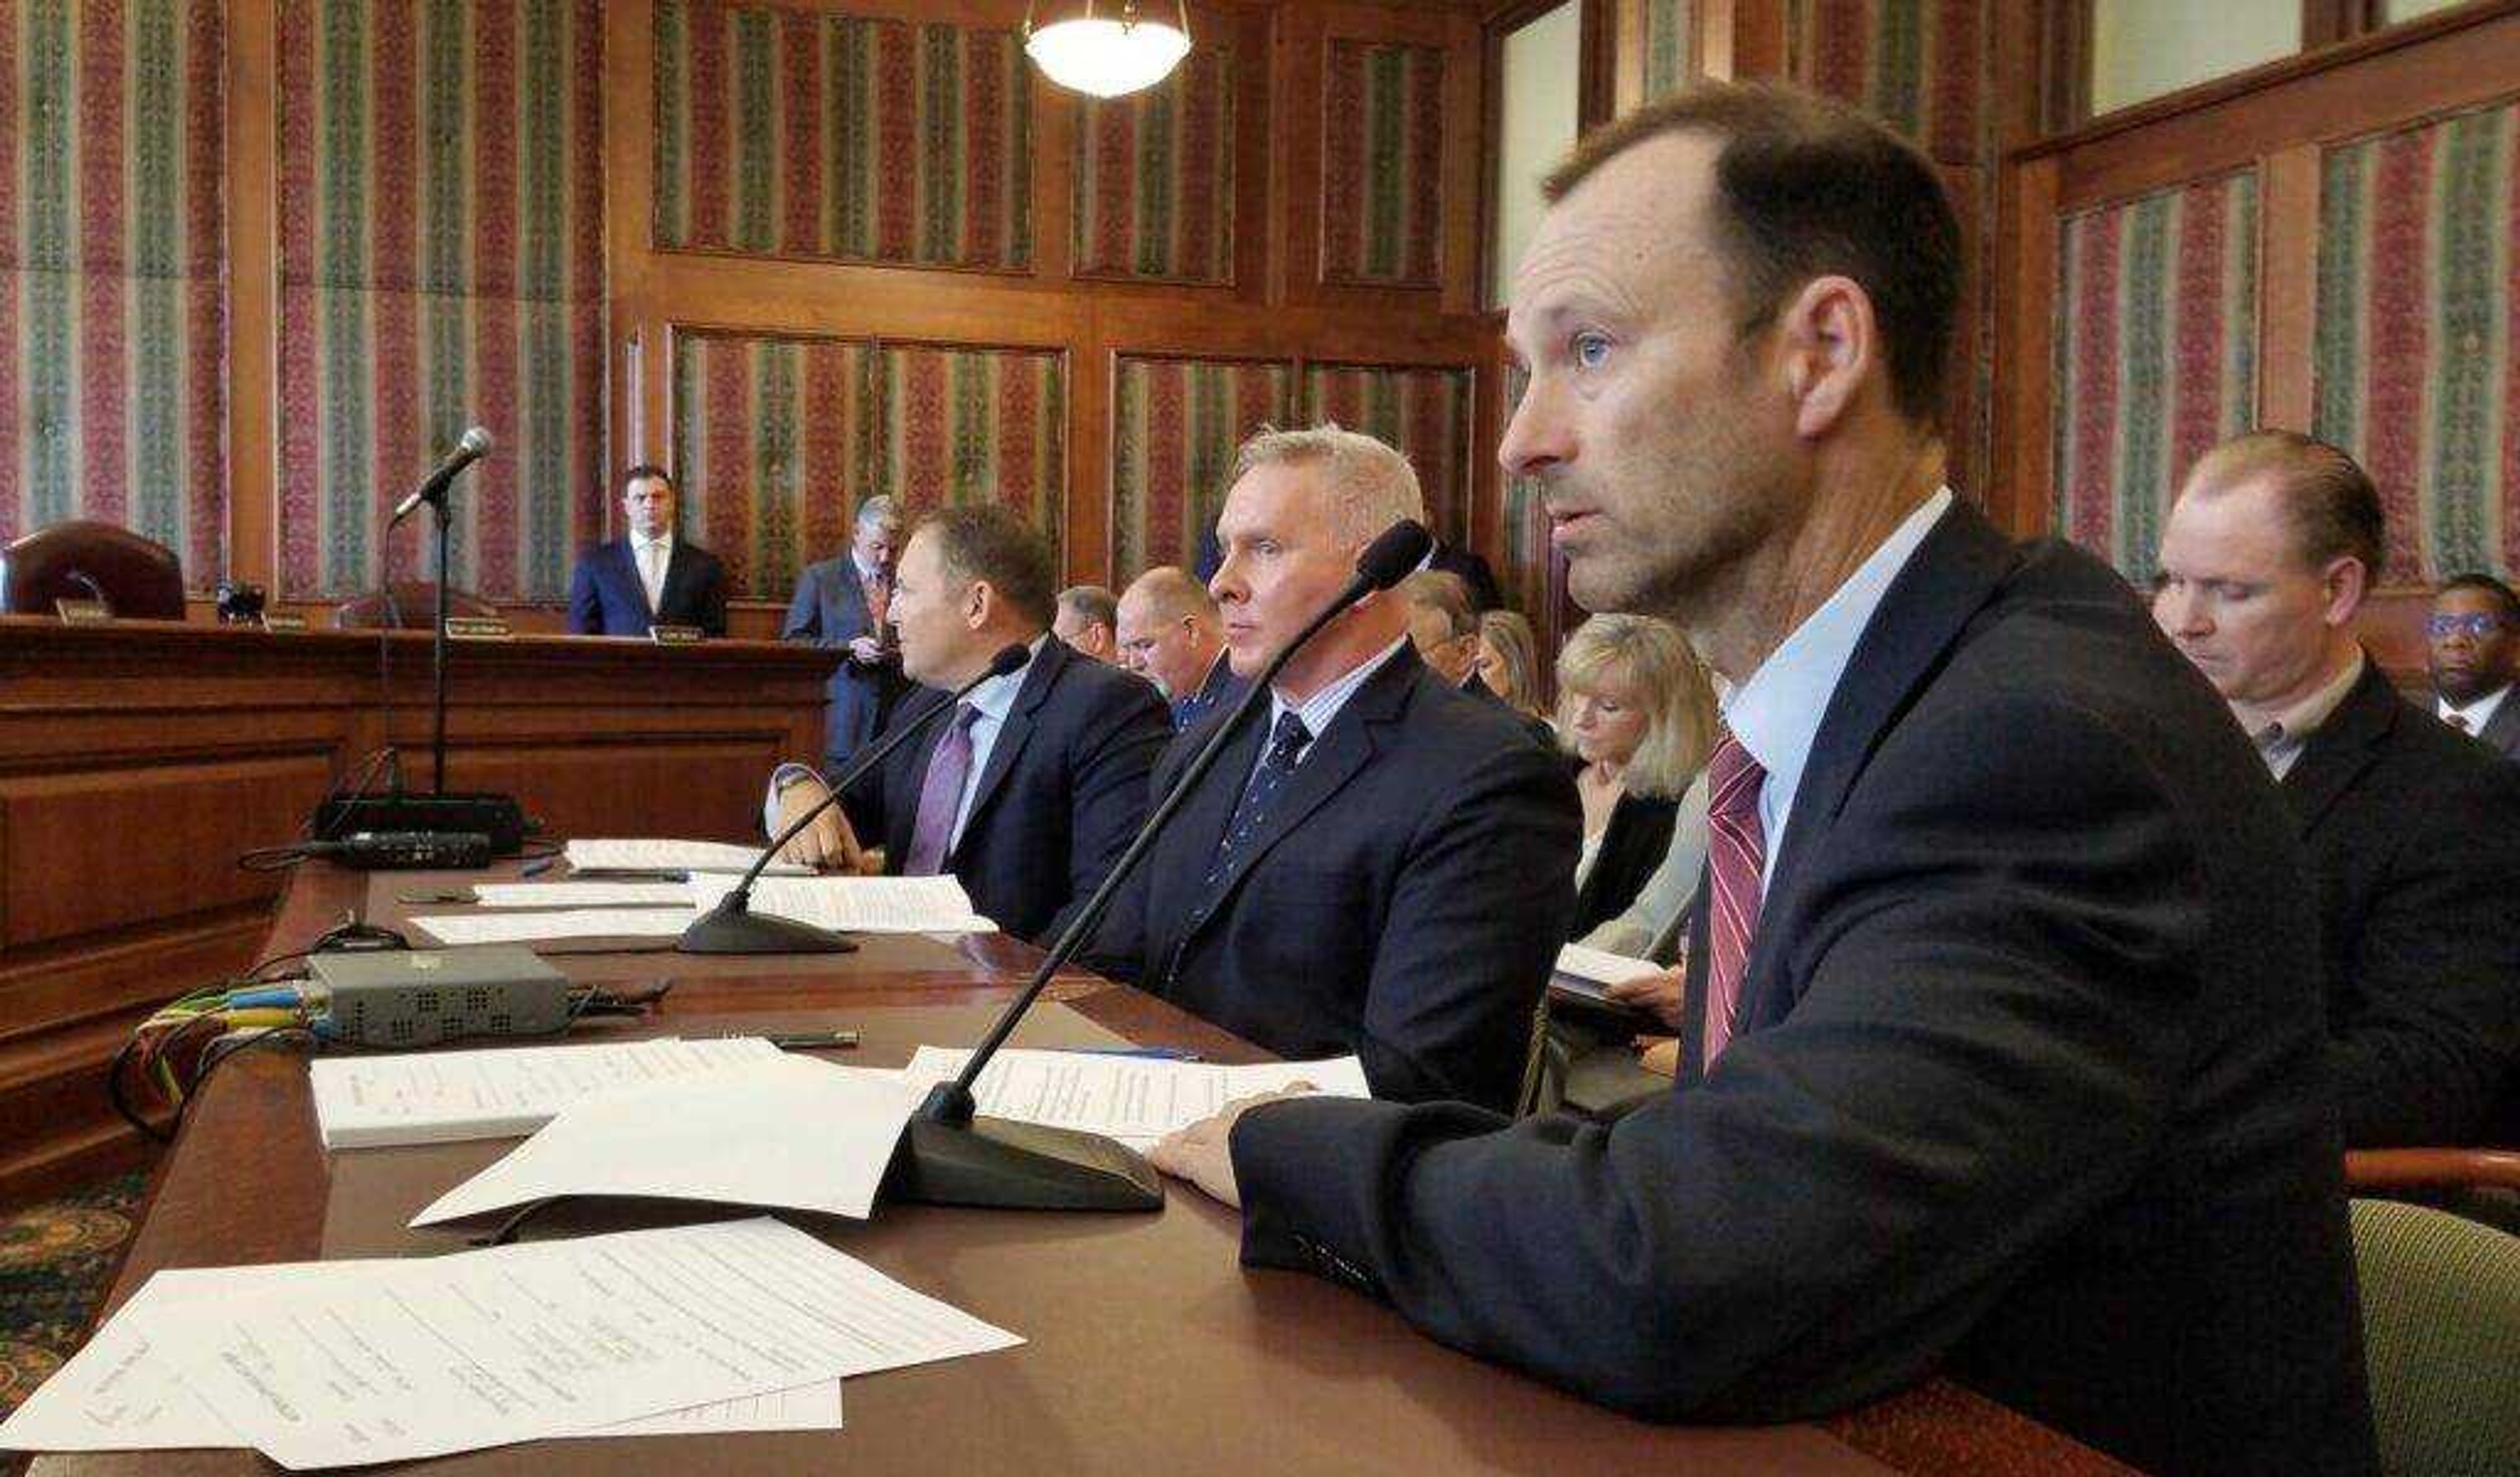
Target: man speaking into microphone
[1378,864]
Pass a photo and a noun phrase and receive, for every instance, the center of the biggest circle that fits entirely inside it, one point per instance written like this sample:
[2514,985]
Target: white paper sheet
[448,1354]
[1133,1099]
[120,1394]
[857,905]
[445,1096]
[582,895]
[512,927]
[1601,967]
[648,854]
[788,1133]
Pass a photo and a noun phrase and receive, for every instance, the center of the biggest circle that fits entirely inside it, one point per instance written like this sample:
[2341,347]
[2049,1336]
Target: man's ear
[978,603]
[2342,586]
[1830,343]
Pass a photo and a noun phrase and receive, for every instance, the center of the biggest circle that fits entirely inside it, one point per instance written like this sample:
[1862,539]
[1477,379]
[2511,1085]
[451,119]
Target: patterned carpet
[54,1262]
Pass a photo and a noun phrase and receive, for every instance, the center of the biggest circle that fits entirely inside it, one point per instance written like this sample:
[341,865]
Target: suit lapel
[678,573]
[1017,727]
[2502,730]
[1945,583]
[2342,749]
[625,575]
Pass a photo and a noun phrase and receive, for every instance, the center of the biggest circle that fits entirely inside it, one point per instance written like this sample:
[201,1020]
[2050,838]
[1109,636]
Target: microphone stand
[733,928]
[436,655]
[953,1157]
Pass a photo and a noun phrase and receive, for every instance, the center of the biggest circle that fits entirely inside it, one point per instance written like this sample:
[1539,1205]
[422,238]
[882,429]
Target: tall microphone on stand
[431,494]
[733,928]
[952,1157]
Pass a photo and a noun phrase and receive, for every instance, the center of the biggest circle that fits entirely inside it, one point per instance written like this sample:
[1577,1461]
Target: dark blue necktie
[1285,748]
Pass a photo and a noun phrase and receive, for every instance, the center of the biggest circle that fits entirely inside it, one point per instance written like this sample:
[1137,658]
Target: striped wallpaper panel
[973,425]
[816,134]
[770,445]
[1154,177]
[1382,163]
[1423,412]
[441,266]
[1527,552]
[113,254]
[1918,64]
[2412,357]
[1175,425]
[1661,29]
[2156,328]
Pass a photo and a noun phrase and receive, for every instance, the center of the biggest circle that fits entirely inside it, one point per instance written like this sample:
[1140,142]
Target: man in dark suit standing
[2473,652]
[1171,635]
[647,577]
[2002,1054]
[1029,792]
[2413,831]
[1376,866]
[846,603]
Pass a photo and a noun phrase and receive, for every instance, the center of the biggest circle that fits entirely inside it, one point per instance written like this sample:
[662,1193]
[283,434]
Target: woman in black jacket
[1638,713]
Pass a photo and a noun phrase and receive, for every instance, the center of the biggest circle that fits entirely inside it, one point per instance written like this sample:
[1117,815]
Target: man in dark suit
[1030,791]
[845,604]
[647,577]
[1172,636]
[2413,831]
[1382,866]
[2473,652]
[2002,1053]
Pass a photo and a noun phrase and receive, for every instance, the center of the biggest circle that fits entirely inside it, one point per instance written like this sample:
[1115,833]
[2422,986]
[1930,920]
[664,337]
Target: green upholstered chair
[2441,1334]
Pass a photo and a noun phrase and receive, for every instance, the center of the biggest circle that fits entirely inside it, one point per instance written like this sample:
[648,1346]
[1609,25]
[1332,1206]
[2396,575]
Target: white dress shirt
[1776,713]
[2475,716]
[1321,709]
[653,556]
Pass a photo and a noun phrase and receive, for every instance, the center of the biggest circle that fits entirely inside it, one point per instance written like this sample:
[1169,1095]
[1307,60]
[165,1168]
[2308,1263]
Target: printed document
[857,905]
[444,1096]
[581,894]
[510,926]
[1133,1099]
[653,855]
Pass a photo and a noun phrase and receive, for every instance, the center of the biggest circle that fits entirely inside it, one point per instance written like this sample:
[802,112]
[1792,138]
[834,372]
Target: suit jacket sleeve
[1109,768]
[585,601]
[804,620]
[1818,1221]
[1473,923]
[2438,973]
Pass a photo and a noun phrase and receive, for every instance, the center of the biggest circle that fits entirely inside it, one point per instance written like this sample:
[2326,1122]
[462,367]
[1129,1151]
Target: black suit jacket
[2414,833]
[1403,901]
[1639,834]
[2029,1084]
[1538,727]
[607,599]
[829,610]
[2502,730]
[1063,791]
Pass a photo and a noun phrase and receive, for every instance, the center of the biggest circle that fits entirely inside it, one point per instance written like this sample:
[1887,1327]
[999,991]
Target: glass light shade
[1107,58]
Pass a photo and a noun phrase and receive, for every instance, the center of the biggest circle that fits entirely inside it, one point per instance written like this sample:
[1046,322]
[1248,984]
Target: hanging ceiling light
[1107,55]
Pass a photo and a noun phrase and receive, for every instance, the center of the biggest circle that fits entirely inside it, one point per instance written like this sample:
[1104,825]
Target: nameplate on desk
[83,612]
[271,622]
[676,635]
[478,628]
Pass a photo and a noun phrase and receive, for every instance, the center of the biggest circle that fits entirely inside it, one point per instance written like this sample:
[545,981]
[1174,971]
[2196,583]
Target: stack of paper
[1133,1099]
[582,895]
[787,1132]
[857,905]
[653,855]
[515,926]
[742,1325]
[443,1097]
[1584,971]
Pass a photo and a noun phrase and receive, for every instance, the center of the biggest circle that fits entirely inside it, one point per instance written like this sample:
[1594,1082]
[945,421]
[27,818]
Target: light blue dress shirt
[1776,713]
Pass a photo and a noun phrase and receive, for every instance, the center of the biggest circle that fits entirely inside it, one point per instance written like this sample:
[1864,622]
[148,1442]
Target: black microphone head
[1009,659]
[1396,554]
[478,441]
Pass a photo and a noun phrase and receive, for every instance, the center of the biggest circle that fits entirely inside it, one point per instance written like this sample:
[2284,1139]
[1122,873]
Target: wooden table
[1151,1350]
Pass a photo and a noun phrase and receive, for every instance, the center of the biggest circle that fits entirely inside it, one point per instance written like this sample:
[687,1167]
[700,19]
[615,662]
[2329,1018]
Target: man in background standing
[844,604]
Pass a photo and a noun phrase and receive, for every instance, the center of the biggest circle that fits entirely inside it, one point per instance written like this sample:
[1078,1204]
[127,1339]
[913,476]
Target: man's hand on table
[827,843]
[1203,1154]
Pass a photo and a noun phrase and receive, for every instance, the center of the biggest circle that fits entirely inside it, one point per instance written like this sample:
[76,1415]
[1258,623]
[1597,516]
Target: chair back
[138,579]
[406,605]
[2441,1338]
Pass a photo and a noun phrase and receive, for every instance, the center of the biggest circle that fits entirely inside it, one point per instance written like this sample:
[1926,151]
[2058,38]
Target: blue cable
[249,1000]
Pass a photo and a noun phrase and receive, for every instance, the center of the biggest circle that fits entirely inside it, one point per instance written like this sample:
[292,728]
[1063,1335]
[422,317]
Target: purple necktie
[940,795]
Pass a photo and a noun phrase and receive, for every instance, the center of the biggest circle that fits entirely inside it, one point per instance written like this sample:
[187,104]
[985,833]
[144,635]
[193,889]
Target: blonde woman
[1506,662]
[1638,713]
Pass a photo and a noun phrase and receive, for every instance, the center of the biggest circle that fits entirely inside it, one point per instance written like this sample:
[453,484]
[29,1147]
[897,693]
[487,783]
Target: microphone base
[741,931]
[1019,1166]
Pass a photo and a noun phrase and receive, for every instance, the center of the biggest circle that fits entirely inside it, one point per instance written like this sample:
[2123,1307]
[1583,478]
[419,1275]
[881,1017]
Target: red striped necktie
[1736,856]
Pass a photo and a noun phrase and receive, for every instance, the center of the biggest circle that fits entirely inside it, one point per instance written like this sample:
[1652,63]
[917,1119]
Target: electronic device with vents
[406,850]
[402,999]
[497,816]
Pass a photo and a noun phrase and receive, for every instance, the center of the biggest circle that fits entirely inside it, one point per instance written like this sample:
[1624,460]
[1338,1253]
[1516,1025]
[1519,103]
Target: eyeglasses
[2476,626]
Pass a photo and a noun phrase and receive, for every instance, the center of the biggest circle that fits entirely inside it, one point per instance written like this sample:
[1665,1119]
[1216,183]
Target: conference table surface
[1148,1347]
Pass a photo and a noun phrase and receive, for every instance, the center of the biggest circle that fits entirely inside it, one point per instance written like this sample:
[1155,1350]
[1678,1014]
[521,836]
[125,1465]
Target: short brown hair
[2327,497]
[985,541]
[1808,187]
[1446,592]
[646,471]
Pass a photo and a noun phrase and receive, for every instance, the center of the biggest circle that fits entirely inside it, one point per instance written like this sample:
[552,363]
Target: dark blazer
[607,599]
[2029,1085]
[1191,706]
[1538,727]
[1403,901]
[1474,573]
[829,611]
[1063,791]
[2413,832]
[1639,834]
[2502,730]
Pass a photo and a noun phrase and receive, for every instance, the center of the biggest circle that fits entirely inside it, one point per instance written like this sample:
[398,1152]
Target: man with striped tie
[2001,1048]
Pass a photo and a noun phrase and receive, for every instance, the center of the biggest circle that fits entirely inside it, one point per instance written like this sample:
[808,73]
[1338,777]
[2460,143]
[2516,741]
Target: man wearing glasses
[2473,654]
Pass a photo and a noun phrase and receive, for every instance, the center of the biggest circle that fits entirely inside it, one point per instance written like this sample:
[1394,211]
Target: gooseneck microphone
[733,928]
[951,1157]
[432,491]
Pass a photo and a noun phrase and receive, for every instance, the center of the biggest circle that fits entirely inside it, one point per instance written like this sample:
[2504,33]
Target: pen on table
[805,1040]
[537,866]
[1151,1053]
